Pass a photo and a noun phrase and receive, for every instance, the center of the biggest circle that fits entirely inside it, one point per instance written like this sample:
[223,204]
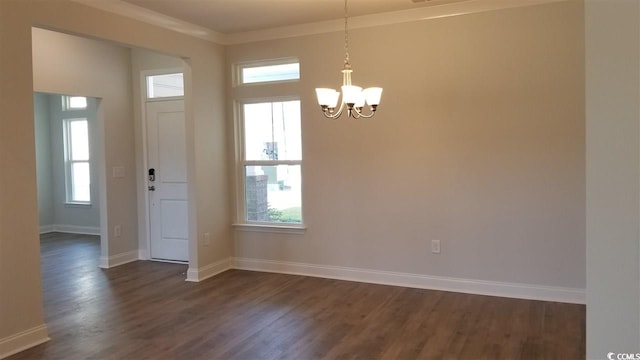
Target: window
[74,103]
[279,70]
[76,156]
[165,85]
[271,162]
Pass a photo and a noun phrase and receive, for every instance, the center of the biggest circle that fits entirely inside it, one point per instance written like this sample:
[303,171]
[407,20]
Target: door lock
[152,188]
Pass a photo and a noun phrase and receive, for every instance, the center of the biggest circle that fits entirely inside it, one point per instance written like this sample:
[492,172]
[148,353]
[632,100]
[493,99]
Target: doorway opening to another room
[66,167]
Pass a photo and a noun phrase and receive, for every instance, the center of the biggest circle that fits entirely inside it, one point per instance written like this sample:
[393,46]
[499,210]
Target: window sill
[279,229]
[77,205]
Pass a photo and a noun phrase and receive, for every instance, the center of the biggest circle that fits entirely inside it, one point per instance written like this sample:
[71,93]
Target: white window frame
[69,162]
[242,222]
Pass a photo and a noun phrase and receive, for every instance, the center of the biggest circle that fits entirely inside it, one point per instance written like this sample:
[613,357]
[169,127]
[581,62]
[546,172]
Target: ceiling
[236,16]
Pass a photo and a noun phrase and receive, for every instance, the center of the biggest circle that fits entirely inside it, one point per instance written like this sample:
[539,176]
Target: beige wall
[613,173]
[20,298]
[66,64]
[478,142]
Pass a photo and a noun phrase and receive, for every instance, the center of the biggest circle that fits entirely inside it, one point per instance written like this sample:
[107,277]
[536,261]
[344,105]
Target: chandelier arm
[331,116]
[340,109]
[334,115]
[363,115]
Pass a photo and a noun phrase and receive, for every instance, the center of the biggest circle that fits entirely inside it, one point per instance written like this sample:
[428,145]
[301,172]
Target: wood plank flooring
[145,310]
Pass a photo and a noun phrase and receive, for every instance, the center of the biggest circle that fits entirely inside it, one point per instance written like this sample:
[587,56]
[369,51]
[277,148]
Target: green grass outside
[292,215]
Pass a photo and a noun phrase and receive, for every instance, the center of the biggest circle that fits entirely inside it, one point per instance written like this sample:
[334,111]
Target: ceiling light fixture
[353,97]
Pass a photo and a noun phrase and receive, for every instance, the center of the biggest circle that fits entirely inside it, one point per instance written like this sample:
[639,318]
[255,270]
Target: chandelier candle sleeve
[354,97]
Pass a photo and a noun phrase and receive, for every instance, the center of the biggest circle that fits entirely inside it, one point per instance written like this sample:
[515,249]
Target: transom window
[165,85]
[271,162]
[74,103]
[269,71]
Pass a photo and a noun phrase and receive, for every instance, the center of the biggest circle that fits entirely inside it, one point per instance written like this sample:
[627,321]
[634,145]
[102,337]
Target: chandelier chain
[346,34]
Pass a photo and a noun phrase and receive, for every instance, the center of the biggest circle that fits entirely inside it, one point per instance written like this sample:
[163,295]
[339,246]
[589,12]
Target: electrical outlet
[435,246]
[117,230]
[206,239]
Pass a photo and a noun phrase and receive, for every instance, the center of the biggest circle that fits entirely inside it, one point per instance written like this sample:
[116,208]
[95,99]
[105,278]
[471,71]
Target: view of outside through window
[273,157]
[77,137]
[165,85]
[76,102]
[280,72]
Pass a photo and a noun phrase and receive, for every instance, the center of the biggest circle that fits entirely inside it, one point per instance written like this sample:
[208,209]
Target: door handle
[152,188]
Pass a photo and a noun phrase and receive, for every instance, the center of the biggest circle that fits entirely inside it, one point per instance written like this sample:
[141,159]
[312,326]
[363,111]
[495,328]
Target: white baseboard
[45,229]
[205,272]
[118,259]
[469,286]
[23,340]
[143,255]
[71,229]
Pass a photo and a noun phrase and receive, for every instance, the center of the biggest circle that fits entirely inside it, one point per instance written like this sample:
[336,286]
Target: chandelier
[353,97]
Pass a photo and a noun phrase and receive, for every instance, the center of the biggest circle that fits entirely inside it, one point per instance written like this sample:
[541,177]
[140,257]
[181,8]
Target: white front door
[167,161]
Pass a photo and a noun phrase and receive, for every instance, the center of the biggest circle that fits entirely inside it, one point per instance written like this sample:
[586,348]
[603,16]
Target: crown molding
[396,17]
[388,18]
[155,18]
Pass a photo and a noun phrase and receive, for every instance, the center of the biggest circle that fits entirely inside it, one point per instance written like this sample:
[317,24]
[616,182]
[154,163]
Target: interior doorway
[67,173]
[111,73]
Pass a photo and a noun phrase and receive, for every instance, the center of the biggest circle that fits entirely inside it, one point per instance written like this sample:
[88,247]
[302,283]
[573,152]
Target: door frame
[146,254]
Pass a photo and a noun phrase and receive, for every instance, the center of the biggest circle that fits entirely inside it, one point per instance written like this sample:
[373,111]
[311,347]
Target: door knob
[152,188]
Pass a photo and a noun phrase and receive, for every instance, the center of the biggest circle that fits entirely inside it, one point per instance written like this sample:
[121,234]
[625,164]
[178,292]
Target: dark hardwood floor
[145,310]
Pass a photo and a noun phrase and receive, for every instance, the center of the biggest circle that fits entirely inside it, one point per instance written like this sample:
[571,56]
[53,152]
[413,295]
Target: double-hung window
[76,154]
[270,166]
[272,161]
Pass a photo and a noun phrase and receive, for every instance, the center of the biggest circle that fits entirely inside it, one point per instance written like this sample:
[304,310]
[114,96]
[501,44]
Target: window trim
[243,223]
[68,162]
[238,67]
[269,228]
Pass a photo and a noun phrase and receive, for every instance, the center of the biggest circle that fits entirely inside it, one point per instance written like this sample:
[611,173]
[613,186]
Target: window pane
[165,85]
[272,131]
[77,102]
[258,74]
[81,185]
[273,193]
[79,133]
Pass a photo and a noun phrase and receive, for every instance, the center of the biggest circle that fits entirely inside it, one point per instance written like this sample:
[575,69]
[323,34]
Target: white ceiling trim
[388,18]
[155,18]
